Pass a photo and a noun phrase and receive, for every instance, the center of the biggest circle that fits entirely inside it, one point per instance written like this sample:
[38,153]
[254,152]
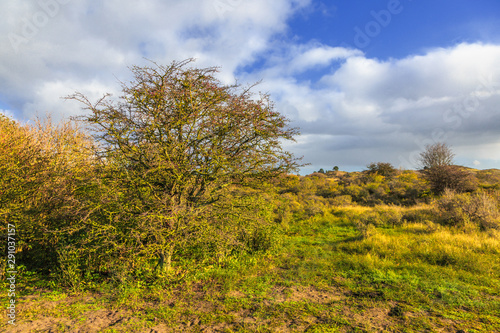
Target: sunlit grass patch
[421,262]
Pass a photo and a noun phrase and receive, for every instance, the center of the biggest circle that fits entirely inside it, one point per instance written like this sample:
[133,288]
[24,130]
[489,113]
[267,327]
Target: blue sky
[411,28]
[366,81]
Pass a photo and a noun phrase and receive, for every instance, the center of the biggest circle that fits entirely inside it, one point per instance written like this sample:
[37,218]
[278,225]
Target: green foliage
[488,179]
[462,208]
[382,168]
[242,222]
[341,200]
[69,271]
[365,227]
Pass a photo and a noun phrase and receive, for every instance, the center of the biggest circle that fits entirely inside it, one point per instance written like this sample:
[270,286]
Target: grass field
[350,269]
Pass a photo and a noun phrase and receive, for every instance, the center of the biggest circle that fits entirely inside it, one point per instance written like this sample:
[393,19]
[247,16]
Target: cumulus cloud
[352,109]
[48,43]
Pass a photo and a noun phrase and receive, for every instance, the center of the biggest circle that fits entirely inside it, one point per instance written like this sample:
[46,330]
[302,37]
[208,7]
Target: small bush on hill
[450,177]
[382,168]
[461,208]
[341,200]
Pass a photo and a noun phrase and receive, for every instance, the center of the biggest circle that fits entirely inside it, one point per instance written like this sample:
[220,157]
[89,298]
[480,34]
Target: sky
[364,80]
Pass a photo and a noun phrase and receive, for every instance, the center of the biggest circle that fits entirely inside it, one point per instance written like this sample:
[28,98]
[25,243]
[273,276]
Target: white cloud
[53,41]
[310,57]
[351,108]
[49,97]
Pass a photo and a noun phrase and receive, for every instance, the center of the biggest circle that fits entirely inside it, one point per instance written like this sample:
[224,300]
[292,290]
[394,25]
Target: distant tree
[321,170]
[438,154]
[335,168]
[382,168]
[437,162]
[178,140]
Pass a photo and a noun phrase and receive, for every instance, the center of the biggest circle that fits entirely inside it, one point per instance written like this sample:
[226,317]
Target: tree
[335,168]
[437,162]
[438,154]
[179,141]
[382,168]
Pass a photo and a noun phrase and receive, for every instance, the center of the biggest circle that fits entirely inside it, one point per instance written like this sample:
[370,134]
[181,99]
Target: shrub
[485,211]
[383,169]
[47,180]
[358,193]
[462,208]
[408,188]
[365,227]
[313,206]
[341,200]
[391,215]
[452,208]
[228,228]
[69,271]
[451,177]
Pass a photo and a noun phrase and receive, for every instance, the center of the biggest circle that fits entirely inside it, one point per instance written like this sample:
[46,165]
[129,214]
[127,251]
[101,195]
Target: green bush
[452,177]
[461,208]
[419,214]
[389,215]
[366,225]
[69,272]
[382,168]
[485,211]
